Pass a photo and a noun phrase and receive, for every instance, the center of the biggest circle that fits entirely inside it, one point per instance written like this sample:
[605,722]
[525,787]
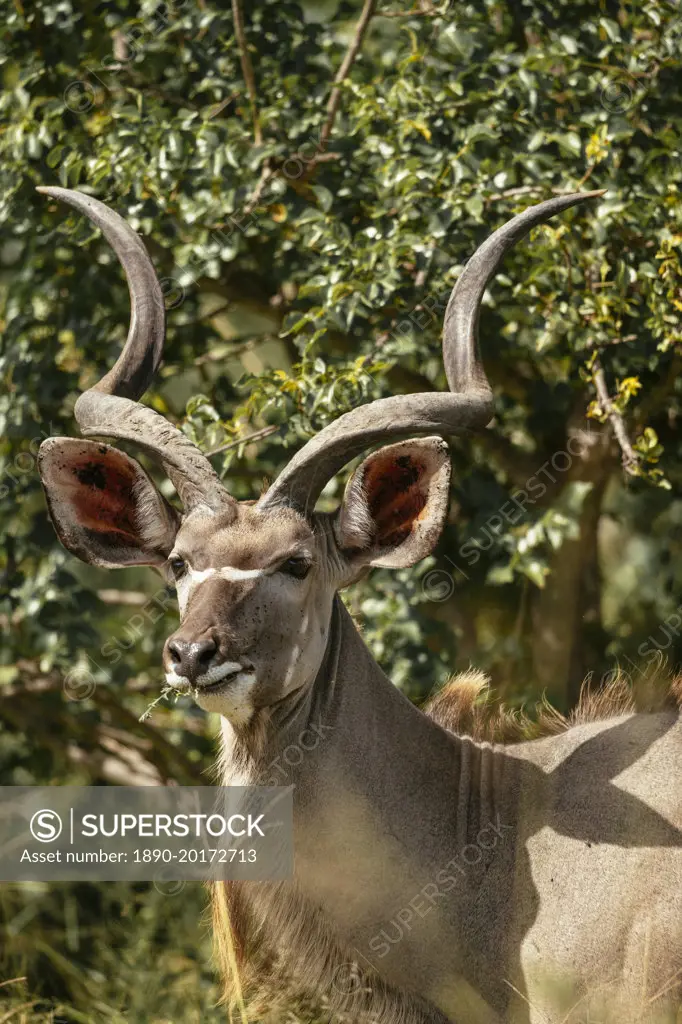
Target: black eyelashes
[297,567]
[178,567]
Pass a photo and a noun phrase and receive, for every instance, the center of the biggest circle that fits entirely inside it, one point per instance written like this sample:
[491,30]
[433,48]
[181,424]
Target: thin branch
[269,172]
[256,436]
[265,175]
[247,68]
[525,999]
[15,1010]
[524,190]
[222,308]
[137,81]
[219,107]
[586,175]
[510,193]
[130,597]
[353,50]
[239,347]
[316,158]
[119,45]
[414,13]
[630,456]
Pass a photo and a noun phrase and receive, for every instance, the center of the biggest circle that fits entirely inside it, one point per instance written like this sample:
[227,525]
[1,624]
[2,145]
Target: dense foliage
[309,191]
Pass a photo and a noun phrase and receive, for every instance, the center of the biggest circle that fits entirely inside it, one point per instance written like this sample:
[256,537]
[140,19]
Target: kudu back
[437,877]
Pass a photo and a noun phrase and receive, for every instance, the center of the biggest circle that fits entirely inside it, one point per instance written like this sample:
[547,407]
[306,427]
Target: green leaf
[324,197]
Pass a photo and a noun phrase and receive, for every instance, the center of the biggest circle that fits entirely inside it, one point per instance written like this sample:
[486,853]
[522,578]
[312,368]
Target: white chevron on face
[225,572]
[193,578]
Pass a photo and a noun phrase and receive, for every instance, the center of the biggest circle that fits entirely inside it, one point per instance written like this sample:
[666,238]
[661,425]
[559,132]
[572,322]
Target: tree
[310,178]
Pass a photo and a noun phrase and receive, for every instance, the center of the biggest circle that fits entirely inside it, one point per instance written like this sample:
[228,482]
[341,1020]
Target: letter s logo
[46,826]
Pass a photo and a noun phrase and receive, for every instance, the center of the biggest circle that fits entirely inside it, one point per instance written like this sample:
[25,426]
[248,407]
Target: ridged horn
[111,408]
[468,406]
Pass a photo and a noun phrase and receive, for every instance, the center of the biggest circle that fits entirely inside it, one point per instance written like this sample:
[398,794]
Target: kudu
[437,878]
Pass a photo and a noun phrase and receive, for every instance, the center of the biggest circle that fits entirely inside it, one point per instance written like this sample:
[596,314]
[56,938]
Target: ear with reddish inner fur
[104,507]
[395,504]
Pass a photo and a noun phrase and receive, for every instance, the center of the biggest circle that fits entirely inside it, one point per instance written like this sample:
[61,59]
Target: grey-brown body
[501,883]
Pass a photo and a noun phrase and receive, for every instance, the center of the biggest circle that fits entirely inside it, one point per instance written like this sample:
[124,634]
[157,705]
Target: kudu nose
[191,658]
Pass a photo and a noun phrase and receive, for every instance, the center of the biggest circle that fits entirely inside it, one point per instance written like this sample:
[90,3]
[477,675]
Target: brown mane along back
[466,705]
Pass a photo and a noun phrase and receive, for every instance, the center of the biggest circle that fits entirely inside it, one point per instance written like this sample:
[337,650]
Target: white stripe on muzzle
[213,675]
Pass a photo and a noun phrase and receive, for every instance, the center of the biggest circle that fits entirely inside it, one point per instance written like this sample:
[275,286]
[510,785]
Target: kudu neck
[354,728]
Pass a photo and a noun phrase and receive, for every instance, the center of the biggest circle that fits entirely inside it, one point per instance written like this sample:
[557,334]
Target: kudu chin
[437,877]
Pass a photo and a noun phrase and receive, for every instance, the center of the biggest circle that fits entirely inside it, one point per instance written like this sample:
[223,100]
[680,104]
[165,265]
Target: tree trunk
[570,600]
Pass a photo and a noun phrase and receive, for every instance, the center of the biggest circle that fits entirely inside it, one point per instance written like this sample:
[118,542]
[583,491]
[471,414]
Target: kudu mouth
[216,680]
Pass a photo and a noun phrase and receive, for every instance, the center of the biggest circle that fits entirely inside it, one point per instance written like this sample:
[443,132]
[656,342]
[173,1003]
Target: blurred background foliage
[310,188]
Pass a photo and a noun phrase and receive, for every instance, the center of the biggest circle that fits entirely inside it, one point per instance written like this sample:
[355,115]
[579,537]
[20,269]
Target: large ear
[104,507]
[395,504]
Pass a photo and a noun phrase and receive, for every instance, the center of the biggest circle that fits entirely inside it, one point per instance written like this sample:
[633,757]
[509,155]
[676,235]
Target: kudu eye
[178,567]
[297,567]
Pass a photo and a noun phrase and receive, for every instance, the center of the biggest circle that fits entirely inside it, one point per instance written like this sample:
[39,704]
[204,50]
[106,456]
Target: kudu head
[256,581]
